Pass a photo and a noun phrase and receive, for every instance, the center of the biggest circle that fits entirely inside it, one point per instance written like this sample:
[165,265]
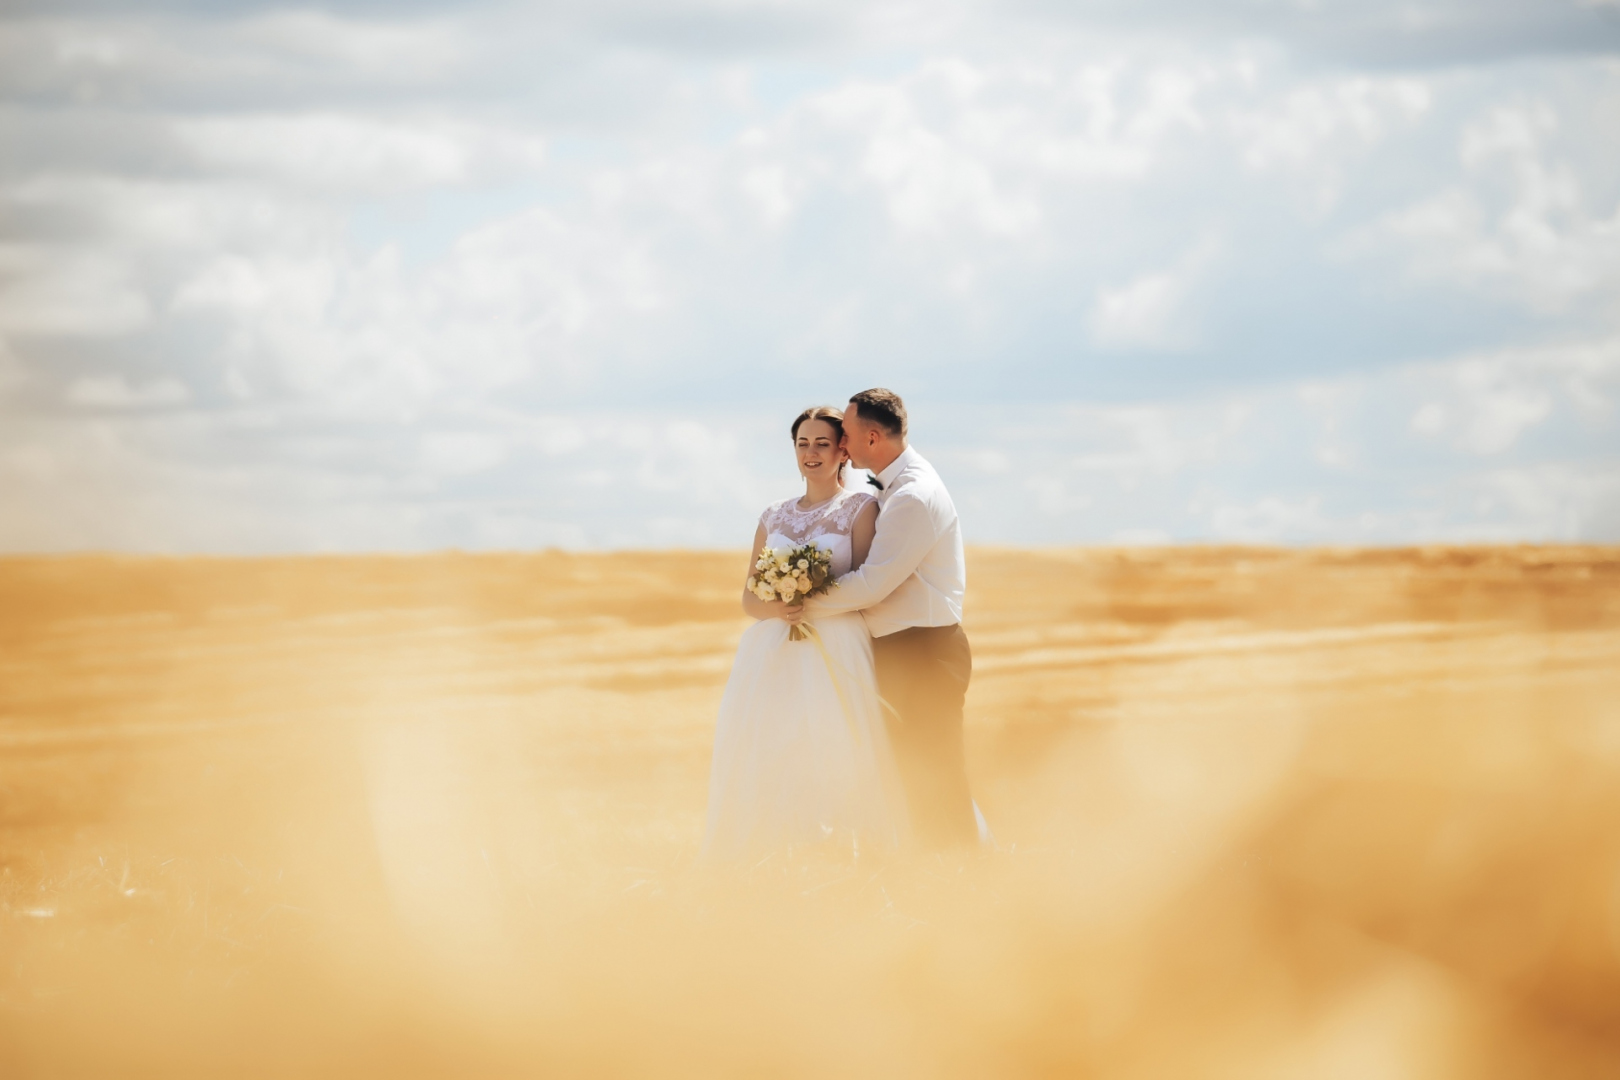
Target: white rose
[786,593]
[803,583]
[804,564]
[765,593]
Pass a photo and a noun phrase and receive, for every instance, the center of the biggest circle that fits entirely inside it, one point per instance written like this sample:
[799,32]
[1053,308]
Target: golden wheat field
[1261,814]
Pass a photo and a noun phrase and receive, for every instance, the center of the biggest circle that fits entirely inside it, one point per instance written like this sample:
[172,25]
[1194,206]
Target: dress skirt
[801,753]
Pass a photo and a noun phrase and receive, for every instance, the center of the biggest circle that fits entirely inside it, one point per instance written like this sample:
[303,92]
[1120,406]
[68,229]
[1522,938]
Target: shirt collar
[886,477]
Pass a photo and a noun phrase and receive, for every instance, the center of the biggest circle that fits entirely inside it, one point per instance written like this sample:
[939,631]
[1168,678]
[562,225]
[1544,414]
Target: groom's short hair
[883,408]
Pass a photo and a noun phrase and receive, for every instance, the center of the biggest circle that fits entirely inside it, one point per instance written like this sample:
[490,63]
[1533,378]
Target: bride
[800,750]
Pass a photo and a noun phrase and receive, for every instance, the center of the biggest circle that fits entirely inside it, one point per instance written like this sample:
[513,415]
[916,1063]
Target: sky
[410,276]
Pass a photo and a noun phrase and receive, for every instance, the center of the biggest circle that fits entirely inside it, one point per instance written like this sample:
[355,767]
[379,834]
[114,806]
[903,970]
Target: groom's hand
[793,614]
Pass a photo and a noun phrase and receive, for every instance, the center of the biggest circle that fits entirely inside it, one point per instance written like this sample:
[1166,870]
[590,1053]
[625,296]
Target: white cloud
[454,453]
[231,282]
[356,154]
[769,188]
[931,176]
[1430,419]
[12,374]
[521,297]
[1139,315]
[1307,128]
[1496,414]
[1443,450]
[390,50]
[1543,247]
[1553,501]
[1151,312]
[115,392]
[1053,497]
[1488,402]
[93,50]
[1270,519]
[67,292]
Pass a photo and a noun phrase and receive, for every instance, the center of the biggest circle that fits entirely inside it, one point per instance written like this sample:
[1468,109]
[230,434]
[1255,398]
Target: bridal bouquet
[792,575]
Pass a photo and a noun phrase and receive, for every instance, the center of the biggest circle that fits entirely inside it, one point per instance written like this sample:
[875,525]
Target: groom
[910,592]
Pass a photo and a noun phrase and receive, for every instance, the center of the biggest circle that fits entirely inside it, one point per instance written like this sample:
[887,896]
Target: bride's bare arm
[753,605]
[861,533]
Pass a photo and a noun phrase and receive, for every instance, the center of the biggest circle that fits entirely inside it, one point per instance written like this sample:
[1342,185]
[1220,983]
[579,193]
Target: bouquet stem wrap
[836,672]
[807,632]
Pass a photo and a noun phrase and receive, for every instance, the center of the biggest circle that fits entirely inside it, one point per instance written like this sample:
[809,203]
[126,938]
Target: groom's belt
[921,631]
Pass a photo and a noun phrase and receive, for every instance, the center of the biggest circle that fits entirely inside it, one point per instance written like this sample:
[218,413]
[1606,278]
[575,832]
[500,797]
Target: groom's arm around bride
[910,591]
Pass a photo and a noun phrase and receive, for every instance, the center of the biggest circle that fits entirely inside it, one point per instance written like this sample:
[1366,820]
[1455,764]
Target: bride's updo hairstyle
[827,415]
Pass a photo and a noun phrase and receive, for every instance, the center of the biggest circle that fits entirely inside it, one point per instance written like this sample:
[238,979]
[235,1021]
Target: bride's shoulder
[776,509]
[850,506]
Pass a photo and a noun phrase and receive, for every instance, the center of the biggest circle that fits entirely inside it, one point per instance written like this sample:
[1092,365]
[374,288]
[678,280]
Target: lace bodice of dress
[828,524]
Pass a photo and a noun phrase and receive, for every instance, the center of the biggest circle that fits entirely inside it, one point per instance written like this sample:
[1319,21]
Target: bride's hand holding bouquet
[789,578]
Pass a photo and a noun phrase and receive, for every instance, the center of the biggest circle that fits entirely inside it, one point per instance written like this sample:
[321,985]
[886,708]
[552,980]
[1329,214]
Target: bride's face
[818,450]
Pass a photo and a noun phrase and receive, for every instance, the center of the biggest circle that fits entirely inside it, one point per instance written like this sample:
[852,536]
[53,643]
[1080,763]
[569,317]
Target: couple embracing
[851,736]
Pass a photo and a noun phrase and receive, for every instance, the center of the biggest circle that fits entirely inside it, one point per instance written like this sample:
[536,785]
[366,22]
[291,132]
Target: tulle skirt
[801,755]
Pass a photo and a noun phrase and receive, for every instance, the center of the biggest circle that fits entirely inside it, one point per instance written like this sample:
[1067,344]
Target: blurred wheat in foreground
[1264,814]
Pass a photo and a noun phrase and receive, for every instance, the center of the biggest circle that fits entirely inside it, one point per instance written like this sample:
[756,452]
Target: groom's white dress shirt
[915,574]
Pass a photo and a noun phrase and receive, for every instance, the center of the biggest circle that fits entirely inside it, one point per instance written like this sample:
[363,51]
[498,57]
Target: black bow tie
[875,482]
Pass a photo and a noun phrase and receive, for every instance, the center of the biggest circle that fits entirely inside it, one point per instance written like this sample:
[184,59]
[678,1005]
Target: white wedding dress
[801,755]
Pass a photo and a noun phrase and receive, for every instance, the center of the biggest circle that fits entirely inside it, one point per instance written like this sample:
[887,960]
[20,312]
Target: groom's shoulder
[915,464]
[921,472]
[925,485]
